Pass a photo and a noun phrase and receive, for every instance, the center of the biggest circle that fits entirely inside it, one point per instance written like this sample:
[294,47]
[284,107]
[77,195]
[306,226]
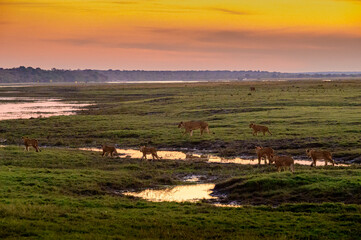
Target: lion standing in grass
[283,162]
[31,142]
[148,150]
[108,150]
[194,125]
[320,154]
[265,153]
[259,128]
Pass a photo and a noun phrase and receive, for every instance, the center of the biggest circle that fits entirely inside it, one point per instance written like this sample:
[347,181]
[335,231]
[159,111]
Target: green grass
[316,186]
[65,193]
[71,194]
[300,114]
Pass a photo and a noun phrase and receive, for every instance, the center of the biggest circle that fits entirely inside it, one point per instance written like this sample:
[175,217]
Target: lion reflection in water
[194,125]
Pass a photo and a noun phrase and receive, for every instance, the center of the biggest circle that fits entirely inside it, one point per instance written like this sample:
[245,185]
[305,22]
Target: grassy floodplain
[64,193]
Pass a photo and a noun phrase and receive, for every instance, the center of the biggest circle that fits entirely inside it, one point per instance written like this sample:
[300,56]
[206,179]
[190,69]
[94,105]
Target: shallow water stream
[185,193]
[177,155]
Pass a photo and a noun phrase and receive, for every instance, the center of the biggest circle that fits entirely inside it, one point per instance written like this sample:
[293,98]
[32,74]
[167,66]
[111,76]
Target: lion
[31,142]
[259,128]
[283,162]
[319,154]
[194,125]
[264,153]
[148,150]
[109,150]
[252,89]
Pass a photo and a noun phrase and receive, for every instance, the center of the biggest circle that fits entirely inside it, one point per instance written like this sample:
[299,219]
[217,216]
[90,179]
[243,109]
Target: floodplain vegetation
[65,193]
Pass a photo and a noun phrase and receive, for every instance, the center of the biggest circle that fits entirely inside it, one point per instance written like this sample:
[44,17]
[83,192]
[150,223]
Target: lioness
[264,153]
[194,125]
[319,154]
[259,128]
[31,142]
[283,162]
[148,150]
[108,150]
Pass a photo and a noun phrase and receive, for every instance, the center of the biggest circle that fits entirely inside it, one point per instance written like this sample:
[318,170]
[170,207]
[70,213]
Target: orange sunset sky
[273,35]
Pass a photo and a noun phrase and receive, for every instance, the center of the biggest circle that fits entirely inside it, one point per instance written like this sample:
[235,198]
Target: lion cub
[194,125]
[148,150]
[265,153]
[283,162]
[259,128]
[108,150]
[319,154]
[31,142]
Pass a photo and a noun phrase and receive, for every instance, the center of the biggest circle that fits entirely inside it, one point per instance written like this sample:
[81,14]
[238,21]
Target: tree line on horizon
[28,74]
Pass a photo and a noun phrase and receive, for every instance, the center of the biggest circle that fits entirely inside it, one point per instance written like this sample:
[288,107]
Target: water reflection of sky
[24,107]
[189,193]
[177,155]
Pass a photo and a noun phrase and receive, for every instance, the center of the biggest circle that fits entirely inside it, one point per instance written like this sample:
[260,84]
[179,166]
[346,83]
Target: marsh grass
[307,113]
[65,193]
[70,194]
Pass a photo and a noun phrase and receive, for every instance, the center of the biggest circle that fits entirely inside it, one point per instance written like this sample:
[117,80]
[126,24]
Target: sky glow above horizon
[277,35]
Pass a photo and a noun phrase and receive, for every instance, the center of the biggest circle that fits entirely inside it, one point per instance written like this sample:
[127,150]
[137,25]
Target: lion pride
[320,154]
[194,125]
[31,142]
[283,162]
[265,153]
[148,150]
[259,128]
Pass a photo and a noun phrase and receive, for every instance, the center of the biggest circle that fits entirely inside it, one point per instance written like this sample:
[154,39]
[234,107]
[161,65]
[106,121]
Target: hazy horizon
[163,35]
[180,70]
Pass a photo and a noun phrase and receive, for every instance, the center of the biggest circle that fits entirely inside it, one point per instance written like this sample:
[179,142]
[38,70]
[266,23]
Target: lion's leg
[264,133]
[207,129]
[326,162]
[292,168]
[259,160]
[36,148]
[330,160]
[191,133]
[314,162]
[27,148]
[202,131]
[278,169]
